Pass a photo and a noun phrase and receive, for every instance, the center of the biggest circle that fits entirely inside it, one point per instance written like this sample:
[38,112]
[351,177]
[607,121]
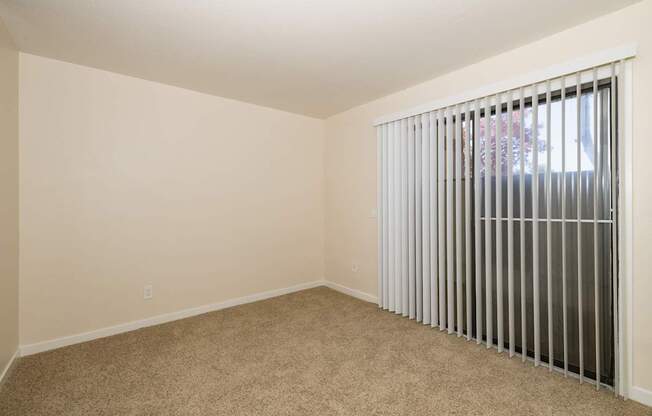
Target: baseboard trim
[38,347]
[641,395]
[351,292]
[638,394]
[9,367]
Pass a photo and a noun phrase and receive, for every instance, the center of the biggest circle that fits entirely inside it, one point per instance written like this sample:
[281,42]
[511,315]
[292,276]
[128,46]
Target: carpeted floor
[316,352]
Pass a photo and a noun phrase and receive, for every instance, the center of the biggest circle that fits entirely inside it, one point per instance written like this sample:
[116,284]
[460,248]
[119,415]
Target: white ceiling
[313,57]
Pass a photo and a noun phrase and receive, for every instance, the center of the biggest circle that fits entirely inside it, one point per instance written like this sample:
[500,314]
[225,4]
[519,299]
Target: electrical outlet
[355,267]
[148,292]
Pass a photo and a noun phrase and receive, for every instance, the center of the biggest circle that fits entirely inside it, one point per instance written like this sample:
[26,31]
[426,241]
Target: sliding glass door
[561,226]
[498,221]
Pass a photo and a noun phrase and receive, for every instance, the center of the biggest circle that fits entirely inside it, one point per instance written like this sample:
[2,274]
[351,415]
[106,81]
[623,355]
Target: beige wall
[350,157]
[126,182]
[8,198]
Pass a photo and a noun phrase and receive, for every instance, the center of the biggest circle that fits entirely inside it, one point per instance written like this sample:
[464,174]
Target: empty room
[342,207]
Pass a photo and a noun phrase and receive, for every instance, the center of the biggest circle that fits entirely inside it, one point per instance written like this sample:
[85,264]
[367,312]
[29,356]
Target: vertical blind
[497,221]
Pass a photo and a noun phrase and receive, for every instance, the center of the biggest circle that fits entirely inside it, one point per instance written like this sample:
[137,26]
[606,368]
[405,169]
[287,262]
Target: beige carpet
[315,352]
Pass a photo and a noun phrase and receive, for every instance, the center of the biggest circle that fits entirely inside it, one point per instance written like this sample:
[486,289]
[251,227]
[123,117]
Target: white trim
[7,370]
[626,234]
[160,319]
[351,292]
[641,395]
[638,394]
[578,64]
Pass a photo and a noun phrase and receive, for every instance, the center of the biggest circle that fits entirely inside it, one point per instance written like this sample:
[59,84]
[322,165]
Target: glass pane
[566,172]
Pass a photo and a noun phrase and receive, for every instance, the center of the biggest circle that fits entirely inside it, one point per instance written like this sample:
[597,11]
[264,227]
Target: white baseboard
[638,394]
[160,319]
[641,395]
[9,367]
[351,292]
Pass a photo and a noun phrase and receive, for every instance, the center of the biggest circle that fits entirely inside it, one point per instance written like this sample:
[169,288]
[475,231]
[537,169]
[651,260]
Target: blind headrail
[582,63]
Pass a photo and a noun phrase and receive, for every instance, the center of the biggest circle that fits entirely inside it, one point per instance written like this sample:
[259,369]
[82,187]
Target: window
[563,239]
[496,221]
